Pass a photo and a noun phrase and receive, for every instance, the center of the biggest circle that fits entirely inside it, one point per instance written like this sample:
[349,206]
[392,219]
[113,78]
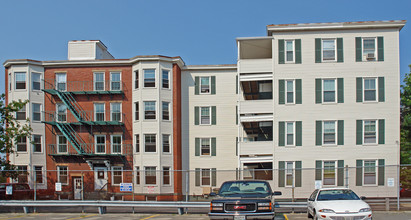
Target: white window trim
[22,152]
[31,79]
[121,110]
[57,111]
[169,176]
[65,80]
[10,81]
[111,80]
[285,51]
[25,80]
[323,90]
[144,78]
[322,50]
[211,114]
[364,58]
[145,175]
[292,174]
[335,172]
[201,146]
[376,132]
[201,176]
[32,112]
[112,175]
[294,134]
[95,144]
[209,85]
[58,143]
[95,110]
[41,143]
[155,110]
[139,144]
[376,90]
[162,111]
[376,172]
[169,80]
[112,142]
[95,80]
[144,142]
[58,176]
[286,91]
[169,144]
[137,171]
[42,174]
[335,132]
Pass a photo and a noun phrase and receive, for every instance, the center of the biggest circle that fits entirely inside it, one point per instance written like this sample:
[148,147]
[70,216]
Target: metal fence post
[398,187]
[82,186]
[187,181]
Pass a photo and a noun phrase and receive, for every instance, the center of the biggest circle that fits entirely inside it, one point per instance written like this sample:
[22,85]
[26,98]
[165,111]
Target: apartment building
[308,105]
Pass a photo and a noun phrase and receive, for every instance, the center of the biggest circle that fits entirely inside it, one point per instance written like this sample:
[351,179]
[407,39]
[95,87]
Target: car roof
[248,181]
[335,188]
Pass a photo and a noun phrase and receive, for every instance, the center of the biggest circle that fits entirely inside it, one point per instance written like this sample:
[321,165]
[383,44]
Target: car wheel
[315,216]
[309,215]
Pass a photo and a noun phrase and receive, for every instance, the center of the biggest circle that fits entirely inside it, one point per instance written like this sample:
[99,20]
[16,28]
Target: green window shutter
[281,92]
[380,42]
[381,89]
[299,131]
[236,84]
[381,131]
[340,132]
[196,115]
[318,133]
[358,173]
[340,173]
[340,92]
[213,177]
[298,91]
[381,172]
[281,57]
[214,115]
[359,89]
[197,149]
[281,173]
[197,173]
[358,49]
[340,52]
[318,91]
[281,133]
[317,50]
[212,85]
[197,85]
[236,115]
[298,51]
[359,132]
[318,170]
[213,146]
[298,174]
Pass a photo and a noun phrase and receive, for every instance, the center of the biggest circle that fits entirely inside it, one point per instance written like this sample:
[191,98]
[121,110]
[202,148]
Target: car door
[311,201]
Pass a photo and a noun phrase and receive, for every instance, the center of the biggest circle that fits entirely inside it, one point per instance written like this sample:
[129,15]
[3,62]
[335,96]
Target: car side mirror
[363,197]
[212,194]
[277,193]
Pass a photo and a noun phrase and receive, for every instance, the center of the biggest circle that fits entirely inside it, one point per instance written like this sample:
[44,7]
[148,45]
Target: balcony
[84,87]
[256,106]
[256,148]
[90,149]
[88,117]
[255,65]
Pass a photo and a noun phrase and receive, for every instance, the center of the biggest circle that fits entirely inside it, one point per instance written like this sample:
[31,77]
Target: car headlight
[326,211]
[264,204]
[365,210]
[217,204]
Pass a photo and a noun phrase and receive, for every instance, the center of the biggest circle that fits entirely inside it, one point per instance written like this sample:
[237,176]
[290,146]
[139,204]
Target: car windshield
[339,194]
[244,187]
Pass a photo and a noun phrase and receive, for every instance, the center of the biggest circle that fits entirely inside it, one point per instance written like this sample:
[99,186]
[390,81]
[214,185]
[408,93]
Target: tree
[11,131]
[406,120]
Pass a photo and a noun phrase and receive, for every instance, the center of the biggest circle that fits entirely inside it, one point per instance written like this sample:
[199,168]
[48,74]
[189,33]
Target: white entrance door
[100,178]
[77,188]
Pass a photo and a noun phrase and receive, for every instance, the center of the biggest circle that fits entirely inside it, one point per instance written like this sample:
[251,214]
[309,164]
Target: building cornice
[211,67]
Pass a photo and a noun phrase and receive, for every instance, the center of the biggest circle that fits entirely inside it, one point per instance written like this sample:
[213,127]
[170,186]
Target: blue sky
[201,32]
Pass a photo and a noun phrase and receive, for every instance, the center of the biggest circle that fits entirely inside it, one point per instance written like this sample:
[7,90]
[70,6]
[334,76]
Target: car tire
[309,215]
[315,216]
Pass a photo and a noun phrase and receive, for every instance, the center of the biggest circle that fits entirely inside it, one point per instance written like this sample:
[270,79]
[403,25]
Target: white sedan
[337,203]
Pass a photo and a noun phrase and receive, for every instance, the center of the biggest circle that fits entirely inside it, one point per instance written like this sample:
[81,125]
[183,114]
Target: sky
[201,32]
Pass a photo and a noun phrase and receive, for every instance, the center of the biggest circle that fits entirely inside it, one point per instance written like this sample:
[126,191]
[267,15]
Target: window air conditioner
[370,56]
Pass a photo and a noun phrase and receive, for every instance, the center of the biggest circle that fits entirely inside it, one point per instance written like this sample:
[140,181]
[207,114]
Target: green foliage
[11,130]
[406,120]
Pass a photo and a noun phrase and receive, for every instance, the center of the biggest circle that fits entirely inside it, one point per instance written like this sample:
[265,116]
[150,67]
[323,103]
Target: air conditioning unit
[370,56]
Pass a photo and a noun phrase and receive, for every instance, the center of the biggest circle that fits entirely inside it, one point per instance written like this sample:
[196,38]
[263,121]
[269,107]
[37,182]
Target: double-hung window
[370,131]
[37,143]
[62,175]
[61,112]
[369,48]
[39,174]
[150,175]
[137,175]
[20,80]
[149,110]
[166,175]
[290,131]
[329,49]
[205,115]
[329,173]
[150,78]
[289,51]
[370,172]
[99,82]
[61,144]
[329,134]
[10,81]
[205,85]
[100,141]
[61,81]
[136,79]
[36,112]
[137,111]
[115,111]
[35,81]
[289,173]
[99,112]
[137,143]
[21,114]
[205,146]
[166,143]
[22,144]
[206,177]
[117,175]
[166,111]
[290,92]
[116,144]
[370,89]
[115,84]
[329,91]
[149,143]
[23,174]
[166,81]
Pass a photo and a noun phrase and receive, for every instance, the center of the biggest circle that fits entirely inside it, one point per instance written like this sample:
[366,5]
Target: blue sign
[126,187]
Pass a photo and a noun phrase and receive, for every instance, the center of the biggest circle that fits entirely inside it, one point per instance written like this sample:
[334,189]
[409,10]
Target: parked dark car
[20,191]
[243,199]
